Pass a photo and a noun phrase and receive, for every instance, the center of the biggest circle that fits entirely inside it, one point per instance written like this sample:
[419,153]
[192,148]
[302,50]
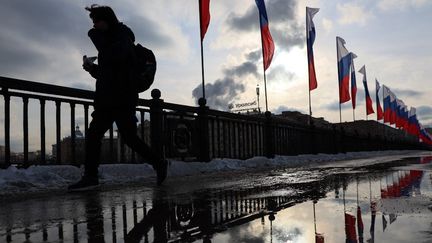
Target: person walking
[116,97]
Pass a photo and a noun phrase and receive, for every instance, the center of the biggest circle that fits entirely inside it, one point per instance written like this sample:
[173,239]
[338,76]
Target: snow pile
[57,177]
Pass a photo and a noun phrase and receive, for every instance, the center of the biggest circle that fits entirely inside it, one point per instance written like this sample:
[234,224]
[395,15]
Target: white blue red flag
[353,81]
[380,114]
[389,101]
[266,38]
[393,106]
[310,39]
[369,106]
[399,118]
[344,64]
[413,127]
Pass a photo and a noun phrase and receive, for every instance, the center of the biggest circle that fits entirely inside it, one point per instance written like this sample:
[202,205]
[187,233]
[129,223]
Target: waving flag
[350,231]
[402,114]
[266,38]
[389,105]
[344,64]
[353,81]
[412,121]
[393,107]
[399,118]
[369,106]
[310,39]
[380,114]
[319,238]
[405,117]
[204,6]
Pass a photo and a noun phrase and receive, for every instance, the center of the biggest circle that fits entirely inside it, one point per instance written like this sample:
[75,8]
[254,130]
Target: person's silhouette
[115,96]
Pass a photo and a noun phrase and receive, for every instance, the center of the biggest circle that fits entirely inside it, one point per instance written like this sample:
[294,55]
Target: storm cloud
[42,36]
[407,92]
[424,113]
[224,91]
[220,93]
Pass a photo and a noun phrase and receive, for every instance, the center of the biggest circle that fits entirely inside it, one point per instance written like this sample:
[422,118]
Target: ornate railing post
[73,136]
[156,123]
[7,158]
[268,136]
[25,131]
[58,132]
[203,128]
[42,131]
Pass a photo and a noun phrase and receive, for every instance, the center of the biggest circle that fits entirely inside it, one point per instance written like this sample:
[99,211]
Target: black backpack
[145,68]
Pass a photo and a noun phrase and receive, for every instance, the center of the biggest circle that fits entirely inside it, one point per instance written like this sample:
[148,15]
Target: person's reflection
[156,217]
[204,216]
[95,221]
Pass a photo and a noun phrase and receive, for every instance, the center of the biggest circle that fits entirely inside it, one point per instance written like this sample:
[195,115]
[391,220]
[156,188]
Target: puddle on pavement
[368,206]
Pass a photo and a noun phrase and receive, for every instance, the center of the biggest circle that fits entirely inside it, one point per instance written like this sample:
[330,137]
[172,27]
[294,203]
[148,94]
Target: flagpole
[313,202]
[265,87]
[384,125]
[337,64]
[202,51]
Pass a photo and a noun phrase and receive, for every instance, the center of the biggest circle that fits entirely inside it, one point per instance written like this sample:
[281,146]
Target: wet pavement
[384,202]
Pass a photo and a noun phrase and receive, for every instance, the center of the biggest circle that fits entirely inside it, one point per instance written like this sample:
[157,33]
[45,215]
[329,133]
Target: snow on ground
[38,179]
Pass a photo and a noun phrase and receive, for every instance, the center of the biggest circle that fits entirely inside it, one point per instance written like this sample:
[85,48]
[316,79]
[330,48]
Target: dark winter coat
[114,71]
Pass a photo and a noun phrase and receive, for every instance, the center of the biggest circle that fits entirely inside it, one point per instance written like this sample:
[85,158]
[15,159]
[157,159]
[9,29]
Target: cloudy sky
[44,41]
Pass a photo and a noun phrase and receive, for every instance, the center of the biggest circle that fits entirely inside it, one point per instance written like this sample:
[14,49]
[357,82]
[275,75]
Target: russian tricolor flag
[266,38]
[380,114]
[310,39]
[405,118]
[344,64]
[412,122]
[389,105]
[393,108]
[399,117]
[369,105]
[353,81]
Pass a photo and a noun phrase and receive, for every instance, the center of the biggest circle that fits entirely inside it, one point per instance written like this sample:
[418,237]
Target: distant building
[361,128]
[120,152]
[301,119]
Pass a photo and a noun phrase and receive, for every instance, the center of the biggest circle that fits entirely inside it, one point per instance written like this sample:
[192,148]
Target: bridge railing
[182,132]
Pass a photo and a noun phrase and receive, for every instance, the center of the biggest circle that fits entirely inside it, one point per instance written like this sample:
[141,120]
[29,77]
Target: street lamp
[258,93]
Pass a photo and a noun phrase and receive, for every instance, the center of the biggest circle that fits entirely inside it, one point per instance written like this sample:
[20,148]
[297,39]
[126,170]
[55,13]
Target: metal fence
[182,132]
